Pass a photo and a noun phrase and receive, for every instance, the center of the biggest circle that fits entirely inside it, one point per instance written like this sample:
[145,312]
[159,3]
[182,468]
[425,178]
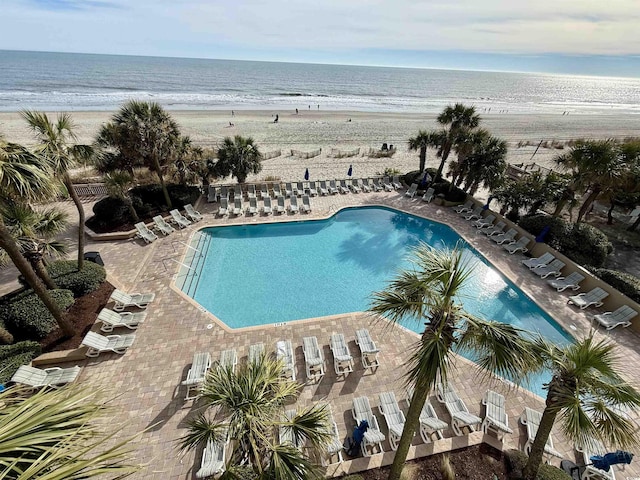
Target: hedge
[621,281]
[14,356]
[516,461]
[441,187]
[29,318]
[66,276]
[584,244]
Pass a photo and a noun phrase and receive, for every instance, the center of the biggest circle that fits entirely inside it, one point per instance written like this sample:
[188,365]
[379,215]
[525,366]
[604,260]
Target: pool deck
[145,382]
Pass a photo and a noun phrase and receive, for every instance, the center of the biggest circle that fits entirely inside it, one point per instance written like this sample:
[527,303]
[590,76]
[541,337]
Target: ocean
[72,82]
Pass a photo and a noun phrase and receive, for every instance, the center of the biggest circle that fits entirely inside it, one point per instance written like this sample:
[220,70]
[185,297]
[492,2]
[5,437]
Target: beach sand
[316,129]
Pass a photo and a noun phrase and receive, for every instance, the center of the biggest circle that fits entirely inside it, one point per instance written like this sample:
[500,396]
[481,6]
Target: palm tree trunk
[9,245]
[76,200]
[35,259]
[445,154]
[587,203]
[537,449]
[162,184]
[132,211]
[412,421]
[423,157]
[5,336]
[610,213]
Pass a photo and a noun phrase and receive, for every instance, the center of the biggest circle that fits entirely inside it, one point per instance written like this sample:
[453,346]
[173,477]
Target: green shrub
[516,461]
[584,244]
[66,276]
[14,356]
[29,318]
[182,194]
[152,197]
[621,281]
[111,210]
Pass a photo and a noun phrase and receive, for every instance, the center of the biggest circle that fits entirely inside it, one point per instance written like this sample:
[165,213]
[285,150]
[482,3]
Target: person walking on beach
[296,111]
[276,120]
[233,113]
[318,107]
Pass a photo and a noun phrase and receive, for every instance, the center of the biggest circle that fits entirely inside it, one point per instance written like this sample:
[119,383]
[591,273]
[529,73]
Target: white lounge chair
[395,182]
[223,209]
[224,192]
[306,204]
[552,268]
[467,207]
[394,417]
[251,192]
[53,377]
[413,189]
[361,184]
[266,208]
[621,317]
[237,206]
[460,416]
[343,187]
[298,189]
[485,222]
[284,352]
[192,213]
[495,417]
[111,319]
[507,237]
[368,349]
[540,261]
[571,281]
[476,213]
[373,436]
[342,359]
[293,204]
[429,195]
[353,185]
[228,359]
[531,419]
[264,191]
[334,445]
[212,459]
[111,343]
[280,204]
[285,433]
[592,448]
[143,232]
[376,184]
[332,187]
[124,300]
[430,424]
[253,206]
[162,225]
[212,194]
[288,189]
[519,246]
[497,229]
[237,191]
[313,191]
[323,188]
[387,185]
[276,190]
[179,219]
[197,374]
[256,352]
[313,358]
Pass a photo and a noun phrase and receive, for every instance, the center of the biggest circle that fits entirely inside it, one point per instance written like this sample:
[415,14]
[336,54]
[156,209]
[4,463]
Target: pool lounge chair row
[495,232]
[200,366]
[267,206]
[160,225]
[428,195]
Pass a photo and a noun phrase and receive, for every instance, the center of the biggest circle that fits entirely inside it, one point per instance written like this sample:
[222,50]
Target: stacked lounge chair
[197,374]
[284,352]
[192,213]
[592,298]
[342,359]
[368,349]
[394,417]
[123,300]
[111,343]
[53,377]
[162,225]
[313,358]
[179,219]
[621,317]
[571,281]
[373,436]
[531,419]
[496,418]
[460,416]
[111,319]
[143,232]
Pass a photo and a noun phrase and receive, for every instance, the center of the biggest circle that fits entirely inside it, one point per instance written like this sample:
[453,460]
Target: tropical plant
[249,404]
[421,142]
[33,231]
[26,176]
[238,157]
[119,183]
[140,133]
[484,163]
[465,145]
[429,293]
[57,144]
[587,394]
[188,161]
[59,434]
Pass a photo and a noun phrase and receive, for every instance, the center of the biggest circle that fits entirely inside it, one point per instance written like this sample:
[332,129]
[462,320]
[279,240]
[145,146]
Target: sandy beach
[317,129]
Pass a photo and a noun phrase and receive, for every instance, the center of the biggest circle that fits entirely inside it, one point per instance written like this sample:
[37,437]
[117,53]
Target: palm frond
[311,424]
[288,463]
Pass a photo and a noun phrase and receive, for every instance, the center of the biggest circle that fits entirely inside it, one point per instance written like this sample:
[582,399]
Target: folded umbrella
[604,462]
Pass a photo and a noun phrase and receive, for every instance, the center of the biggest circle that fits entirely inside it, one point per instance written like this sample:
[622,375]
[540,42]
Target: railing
[91,189]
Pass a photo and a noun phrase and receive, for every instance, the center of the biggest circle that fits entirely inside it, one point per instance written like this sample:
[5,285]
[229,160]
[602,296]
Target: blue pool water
[264,274]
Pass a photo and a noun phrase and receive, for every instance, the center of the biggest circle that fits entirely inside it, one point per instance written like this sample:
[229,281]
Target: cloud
[74,5]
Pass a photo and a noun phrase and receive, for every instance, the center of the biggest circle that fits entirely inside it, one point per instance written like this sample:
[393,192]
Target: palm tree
[485,163]
[587,394]
[141,133]
[188,161]
[26,176]
[238,157]
[119,183]
[56,143]
[456,121]
[57,434]
[466,143]
[421,141]
[428,293]
[250,410]
[33,230]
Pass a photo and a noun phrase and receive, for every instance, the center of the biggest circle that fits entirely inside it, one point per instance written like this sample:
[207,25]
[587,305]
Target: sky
[591,37]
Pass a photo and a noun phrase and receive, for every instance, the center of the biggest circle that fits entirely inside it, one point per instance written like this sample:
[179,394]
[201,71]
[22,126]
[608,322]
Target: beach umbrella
[350,172]
[486,206]
[604,462]
[542,234]
[425,179]
[306,174]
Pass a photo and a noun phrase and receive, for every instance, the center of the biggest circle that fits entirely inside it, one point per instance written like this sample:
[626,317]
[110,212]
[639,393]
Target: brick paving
[145,382]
